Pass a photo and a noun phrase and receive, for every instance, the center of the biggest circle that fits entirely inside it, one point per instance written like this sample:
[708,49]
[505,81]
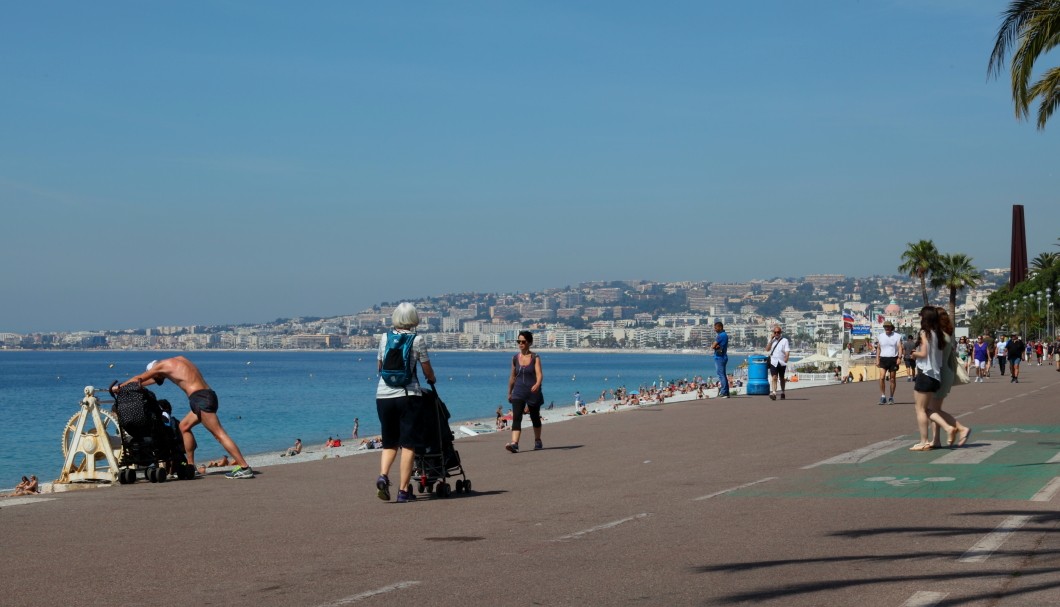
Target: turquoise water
[268,398]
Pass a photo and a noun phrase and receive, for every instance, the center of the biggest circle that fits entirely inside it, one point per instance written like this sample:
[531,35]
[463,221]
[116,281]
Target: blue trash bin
[757,374]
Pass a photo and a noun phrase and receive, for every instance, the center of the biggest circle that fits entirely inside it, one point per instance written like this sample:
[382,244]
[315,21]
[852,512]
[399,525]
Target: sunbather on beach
[294,450]
[30,488]
[221,462]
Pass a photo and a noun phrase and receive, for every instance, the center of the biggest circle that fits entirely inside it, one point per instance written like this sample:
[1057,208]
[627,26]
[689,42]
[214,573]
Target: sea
[270,398]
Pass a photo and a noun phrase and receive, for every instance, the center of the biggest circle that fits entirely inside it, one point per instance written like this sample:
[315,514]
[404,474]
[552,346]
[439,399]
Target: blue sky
[225,162]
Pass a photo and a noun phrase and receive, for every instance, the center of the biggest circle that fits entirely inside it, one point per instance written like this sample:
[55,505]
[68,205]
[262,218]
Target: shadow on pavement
[1033,579]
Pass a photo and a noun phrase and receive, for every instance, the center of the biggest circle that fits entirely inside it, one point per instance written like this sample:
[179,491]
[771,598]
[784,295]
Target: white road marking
[723,492]
[367,595]
[864,454]
[905,481]
[1047,492]
[21,501]
[986,546]
[986,407]
[974,455]
[1054,459]
[603,527]
[925,599]
[963,414]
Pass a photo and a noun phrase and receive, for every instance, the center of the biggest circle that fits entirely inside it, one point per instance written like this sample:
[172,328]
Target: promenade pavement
[814,500]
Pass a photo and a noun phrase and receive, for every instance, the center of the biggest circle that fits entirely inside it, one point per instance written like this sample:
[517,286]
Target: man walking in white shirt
[779,351]
[887,357]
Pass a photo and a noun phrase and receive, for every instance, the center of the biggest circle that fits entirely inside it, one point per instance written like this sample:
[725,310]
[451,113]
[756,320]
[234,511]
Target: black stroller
[150,441]
[436,459]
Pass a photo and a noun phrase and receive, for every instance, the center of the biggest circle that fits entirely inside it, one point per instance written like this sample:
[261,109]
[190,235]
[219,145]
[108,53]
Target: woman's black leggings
[517,414]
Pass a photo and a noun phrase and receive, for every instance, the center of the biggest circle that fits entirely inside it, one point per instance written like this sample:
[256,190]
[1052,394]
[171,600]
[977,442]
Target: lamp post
[1026,314]
[1048,313]
[1049,322]
[1038,321]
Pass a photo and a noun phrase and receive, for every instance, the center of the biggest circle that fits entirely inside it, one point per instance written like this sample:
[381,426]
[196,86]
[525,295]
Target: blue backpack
[398,366]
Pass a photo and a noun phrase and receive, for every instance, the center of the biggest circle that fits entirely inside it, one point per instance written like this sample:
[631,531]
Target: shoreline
[683,351]
[475,427]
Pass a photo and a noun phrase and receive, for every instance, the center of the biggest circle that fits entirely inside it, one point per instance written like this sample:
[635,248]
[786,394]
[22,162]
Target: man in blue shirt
[721,358]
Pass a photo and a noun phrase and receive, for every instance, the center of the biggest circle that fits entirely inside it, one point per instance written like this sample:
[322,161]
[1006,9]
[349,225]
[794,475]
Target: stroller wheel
[443,489]
[467,486]
[126,476]
[161,475]
[459,486]
[430,488]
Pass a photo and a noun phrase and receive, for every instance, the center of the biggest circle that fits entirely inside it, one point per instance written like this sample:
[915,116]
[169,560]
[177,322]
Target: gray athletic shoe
[240,472]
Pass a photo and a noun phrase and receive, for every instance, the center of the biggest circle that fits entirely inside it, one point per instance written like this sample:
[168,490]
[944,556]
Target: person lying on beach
[219,463]
[376,442]
[295,450]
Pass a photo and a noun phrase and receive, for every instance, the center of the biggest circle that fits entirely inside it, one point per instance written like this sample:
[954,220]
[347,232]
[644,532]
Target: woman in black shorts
[524,391]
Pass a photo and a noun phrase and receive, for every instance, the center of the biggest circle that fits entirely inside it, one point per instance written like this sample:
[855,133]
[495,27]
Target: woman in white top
[398,409]
[949,376]
[932,362]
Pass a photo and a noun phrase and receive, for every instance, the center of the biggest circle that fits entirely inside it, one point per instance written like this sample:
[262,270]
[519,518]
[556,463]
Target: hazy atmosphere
[225,162]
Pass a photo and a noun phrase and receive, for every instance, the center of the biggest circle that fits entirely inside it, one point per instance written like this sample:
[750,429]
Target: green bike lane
[1010,462]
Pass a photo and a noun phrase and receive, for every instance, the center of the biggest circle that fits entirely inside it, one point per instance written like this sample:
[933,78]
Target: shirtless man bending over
[203,402]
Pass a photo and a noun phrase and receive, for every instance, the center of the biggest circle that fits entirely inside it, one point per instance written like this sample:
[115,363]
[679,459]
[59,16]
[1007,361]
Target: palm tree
[919,260]
[955,272]
[1043,262]
[1033,25]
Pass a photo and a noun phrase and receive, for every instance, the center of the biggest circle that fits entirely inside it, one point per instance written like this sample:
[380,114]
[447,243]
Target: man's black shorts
[203,401]
[777,370]
[889,363]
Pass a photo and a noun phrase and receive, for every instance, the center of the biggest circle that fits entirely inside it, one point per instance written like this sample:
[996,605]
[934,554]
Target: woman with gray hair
[398,407]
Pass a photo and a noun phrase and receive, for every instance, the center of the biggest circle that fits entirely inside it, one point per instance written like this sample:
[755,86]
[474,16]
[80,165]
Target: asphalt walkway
[814,500]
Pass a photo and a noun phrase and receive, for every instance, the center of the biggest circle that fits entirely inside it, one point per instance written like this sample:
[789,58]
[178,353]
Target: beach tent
[814,359]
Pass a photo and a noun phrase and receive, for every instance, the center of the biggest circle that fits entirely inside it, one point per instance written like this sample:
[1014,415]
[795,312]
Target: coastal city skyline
[634,315]
[232,163]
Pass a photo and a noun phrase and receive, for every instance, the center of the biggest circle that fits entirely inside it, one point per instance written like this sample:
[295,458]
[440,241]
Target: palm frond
[1048,90]
[1016,15]
[1040,34]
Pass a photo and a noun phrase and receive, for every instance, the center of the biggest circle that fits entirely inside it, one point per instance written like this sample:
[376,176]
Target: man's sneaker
[240,472]
[405,496]
[383,485]
[537,445]
[782,397]
[513,447]
[890,401]
[772,396]
[883,400]
[726,395]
